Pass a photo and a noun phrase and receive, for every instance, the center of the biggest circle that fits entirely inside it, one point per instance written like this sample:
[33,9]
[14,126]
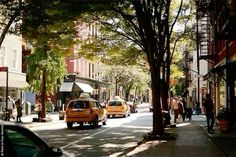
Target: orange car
[118,107]
[85,110]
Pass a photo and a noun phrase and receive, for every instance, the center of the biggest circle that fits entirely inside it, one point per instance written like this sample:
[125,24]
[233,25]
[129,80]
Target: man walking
[209,111]
[11,107]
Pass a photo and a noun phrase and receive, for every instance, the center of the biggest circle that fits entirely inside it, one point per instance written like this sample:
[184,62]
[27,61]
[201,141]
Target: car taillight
[91,111]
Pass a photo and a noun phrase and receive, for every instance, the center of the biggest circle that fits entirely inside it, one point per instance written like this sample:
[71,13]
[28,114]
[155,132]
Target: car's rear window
[115,103]
[79,105]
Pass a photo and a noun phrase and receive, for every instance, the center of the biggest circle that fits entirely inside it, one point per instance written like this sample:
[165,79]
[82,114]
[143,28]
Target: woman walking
[189,108]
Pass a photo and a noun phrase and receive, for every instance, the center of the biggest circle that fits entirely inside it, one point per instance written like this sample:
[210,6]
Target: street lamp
[5,69]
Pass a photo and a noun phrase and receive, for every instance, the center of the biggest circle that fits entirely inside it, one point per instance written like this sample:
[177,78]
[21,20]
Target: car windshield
[79,105]
[115,103]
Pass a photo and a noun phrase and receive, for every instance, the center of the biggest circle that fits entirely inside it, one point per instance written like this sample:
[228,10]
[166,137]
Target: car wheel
[81,124]
[95,123]
[69,125]
[104,121]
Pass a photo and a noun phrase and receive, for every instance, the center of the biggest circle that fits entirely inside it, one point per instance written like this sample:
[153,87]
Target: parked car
[19,141]
[85,110]
[133,107]
[118,107]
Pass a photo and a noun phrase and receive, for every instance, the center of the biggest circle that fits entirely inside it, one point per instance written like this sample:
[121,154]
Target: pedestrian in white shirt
[10,107]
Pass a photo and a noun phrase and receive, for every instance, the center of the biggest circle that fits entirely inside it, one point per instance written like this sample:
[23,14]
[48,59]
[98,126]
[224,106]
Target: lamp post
[5,69]
[198,65]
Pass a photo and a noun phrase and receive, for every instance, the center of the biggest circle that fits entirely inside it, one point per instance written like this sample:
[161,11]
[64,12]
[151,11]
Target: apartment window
[14,59]
[2,55]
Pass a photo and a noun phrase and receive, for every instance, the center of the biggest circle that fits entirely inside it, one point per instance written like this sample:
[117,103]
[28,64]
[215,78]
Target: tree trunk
[158,128]
[43,93]
[165,103]
[116,87]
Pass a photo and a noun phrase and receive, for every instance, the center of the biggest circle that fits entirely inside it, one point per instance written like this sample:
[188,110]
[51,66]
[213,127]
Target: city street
[118,137]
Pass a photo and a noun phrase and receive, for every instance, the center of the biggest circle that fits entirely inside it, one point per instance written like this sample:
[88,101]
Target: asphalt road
[118,138]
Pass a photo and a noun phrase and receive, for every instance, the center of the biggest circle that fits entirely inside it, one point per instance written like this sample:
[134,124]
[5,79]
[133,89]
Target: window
[115,103]
[21,145]
[14,59]
[2,55]
[79,105]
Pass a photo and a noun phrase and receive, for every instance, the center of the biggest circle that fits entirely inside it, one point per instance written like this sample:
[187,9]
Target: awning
[85,87]
[14,83]
[66,87]
[223,66]
[219,68]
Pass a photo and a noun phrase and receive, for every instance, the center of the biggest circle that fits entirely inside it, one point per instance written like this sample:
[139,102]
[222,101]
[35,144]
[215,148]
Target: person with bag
[19,109]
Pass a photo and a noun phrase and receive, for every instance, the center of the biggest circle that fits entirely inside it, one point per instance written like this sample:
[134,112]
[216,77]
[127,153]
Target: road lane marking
[85,138]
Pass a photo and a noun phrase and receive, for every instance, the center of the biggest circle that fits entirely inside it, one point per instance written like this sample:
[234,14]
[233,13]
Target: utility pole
[198,65]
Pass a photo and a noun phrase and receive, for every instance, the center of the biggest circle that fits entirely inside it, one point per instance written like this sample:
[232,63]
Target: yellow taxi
[117,107]
[85,110]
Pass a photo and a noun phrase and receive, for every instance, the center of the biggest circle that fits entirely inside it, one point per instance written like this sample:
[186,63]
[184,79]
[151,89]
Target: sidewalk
[28,120]
[192,141]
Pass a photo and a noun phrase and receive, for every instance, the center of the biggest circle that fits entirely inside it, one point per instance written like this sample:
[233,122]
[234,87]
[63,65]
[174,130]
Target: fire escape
[205,13]
[216,21]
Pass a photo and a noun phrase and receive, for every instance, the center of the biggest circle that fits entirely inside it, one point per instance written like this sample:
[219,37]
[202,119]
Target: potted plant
[223,119]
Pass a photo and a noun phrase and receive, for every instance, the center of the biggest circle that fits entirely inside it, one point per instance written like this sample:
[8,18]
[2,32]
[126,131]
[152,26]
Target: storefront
[225,86]
[73,86]
[16,85]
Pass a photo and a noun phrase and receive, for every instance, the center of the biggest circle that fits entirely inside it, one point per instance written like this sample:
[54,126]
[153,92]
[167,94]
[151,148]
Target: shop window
[222,88]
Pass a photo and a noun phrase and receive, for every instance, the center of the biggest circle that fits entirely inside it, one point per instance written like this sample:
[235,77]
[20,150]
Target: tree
[51,37]
[145,23]
[127,77]
[10,13]
[149,25]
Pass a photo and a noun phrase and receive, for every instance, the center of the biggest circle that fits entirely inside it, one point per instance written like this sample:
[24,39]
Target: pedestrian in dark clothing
[19,109]
[189,108]
[209,111]
[181,109]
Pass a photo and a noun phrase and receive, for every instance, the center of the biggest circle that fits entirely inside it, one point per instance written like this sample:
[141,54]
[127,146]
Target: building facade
[11,57]
[83,75]
[217,45]
[197,86]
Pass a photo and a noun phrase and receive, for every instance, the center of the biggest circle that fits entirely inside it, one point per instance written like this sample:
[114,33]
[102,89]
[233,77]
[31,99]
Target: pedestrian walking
[189,108]
[10,107]
[19,108]
[181,115]
[175,109]
[209,112]
[38,109]
[49,106]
